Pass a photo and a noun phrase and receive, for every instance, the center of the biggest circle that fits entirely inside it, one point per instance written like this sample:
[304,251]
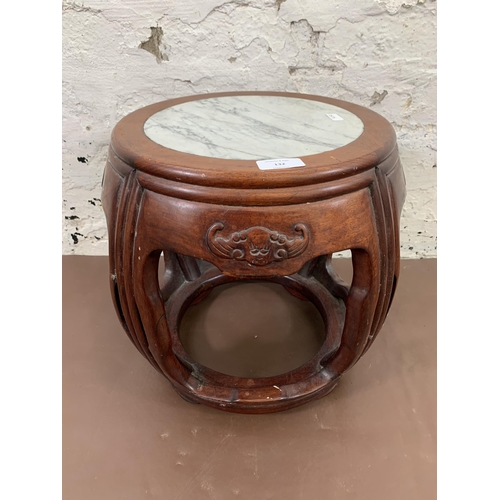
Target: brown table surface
[128,435]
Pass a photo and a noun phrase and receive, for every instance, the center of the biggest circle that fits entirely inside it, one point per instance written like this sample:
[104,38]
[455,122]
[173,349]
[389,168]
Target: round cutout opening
[252,329]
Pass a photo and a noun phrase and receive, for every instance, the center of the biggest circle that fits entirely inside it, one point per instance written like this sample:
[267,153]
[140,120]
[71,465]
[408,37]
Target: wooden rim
[264,394]
[132,146]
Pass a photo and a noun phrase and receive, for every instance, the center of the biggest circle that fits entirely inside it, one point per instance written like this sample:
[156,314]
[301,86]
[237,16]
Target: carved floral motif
[257,245]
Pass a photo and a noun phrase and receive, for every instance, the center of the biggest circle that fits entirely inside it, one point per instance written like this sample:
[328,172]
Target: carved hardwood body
[216,221]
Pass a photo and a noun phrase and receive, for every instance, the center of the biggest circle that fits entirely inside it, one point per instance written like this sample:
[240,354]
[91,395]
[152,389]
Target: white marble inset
[253,127]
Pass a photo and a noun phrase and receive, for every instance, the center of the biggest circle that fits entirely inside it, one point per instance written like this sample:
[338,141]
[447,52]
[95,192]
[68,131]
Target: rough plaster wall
[119,55]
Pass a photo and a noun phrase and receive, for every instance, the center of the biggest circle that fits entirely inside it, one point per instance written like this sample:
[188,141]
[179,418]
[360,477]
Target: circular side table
[244,186]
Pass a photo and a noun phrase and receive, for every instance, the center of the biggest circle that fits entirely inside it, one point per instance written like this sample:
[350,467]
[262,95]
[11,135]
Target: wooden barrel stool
[244,186]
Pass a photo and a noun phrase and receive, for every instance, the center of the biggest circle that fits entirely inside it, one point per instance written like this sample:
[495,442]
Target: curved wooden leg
[375,272]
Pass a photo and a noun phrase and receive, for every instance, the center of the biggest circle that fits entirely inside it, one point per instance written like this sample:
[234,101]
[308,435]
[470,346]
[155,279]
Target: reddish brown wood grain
[216,221]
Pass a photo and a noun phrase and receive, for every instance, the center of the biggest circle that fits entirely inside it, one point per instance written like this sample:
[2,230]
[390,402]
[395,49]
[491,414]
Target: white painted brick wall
[379,53]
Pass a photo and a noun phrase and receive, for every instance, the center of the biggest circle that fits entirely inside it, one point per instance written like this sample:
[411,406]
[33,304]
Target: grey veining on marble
[253,127]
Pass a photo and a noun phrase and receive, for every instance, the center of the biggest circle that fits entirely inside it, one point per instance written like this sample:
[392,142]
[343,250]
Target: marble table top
[253,127]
